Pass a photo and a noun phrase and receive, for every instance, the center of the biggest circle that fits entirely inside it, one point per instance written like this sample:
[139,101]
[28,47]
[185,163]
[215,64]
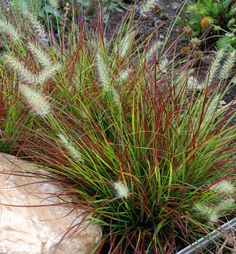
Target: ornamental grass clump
[141,153]
[24,64]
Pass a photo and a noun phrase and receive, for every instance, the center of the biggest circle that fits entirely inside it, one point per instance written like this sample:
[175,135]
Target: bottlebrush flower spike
[225,205]
[125,44]
[153,50]
[121,189]
[40,55]
[215,65]
[224,187]
[123,75]
[213,215]
[103,72]
[74,153]
[36,100]
[163,65]
[8,29]
[210,213]
[147,6]
[37,26]
[228,65]
[105,79]
[24,74]
[211,109]
[116,98]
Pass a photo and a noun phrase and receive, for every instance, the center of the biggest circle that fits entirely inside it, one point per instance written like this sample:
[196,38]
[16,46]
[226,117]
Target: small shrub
[90,7]
[216,17]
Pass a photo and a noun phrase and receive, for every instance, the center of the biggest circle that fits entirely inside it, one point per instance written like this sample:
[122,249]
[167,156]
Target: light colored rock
[30,220]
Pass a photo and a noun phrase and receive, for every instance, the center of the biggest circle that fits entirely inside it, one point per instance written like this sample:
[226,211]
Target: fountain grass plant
[12,112]
[121,127]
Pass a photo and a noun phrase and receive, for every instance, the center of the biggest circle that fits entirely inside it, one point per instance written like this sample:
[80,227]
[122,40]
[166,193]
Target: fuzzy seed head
[104,77]
[153,50]
[23,73]
[210,213]
[121,189]
[163,65]
[123,75]
[147,7]
[125,44]
[213,215]
[202,209]
[103,72]
[74,153]
[228,65]
[37,27]
[8,29]
[40,55]
[36,100]
[215,65]
[224,187]
[116,97]
[226,205]
[211,109]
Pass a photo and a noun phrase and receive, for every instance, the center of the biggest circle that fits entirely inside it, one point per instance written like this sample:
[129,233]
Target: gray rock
[34,220]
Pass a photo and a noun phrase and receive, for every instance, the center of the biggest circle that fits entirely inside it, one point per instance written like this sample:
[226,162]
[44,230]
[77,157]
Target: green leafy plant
[40,8]
[53,8]
[108,6]
[126,129]
[216,17]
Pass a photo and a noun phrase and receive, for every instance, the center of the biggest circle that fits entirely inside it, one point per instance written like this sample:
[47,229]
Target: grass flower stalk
[37,27]
[123,75]
[74,153]
[153,50]
[215,65]
[37,102]
[8,29]
[228,65]
[125,44]
[210,213]
[163,65]
[224,187]
[40,56]
[211,109]
[194,84]
[147,7]
[23,73]
[103,72]
[227,204]
[106,81]
[121,189]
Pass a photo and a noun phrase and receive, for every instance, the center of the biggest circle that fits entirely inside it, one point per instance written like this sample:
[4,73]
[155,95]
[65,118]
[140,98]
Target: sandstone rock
[30,220]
